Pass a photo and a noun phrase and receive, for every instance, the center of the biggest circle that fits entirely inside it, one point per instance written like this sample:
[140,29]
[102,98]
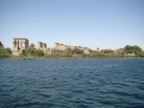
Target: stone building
[42,46]
[59,46]
[19,44]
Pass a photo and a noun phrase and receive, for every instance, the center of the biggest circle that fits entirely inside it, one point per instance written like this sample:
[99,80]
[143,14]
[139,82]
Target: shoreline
[32,58]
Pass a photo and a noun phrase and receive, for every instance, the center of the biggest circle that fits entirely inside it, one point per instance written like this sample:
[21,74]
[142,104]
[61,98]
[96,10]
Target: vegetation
[1,45]
[95,54]
[31,52]
[32,45]
[67,53]
[4,52]
[141,54]
[134,49]
[127,51]
[58,53]
[131,49]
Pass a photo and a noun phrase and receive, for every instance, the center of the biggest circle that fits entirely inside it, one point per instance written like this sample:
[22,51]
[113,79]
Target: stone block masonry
[19,44]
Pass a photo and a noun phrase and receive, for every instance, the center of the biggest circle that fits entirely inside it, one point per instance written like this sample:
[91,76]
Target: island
[22,49]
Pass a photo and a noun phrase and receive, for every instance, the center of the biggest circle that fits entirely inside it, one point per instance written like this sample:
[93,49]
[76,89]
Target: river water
[72,83]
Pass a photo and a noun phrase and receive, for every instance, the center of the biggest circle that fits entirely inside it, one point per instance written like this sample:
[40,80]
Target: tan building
[19,44]
[42,46]
[59,46]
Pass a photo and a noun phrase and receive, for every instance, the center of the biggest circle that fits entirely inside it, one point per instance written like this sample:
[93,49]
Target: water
[72,83]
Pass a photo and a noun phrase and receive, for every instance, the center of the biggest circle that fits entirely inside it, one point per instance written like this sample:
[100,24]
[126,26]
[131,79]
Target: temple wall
[42,46]
[59,46]
[19,44]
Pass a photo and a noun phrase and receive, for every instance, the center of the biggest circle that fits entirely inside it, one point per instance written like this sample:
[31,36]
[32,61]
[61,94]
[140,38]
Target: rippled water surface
[72,83]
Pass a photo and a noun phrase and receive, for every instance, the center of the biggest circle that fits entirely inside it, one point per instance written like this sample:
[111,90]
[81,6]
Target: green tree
[1,45]
[130,49]
[38,53]
[32,45]
[8,50]
[5,52]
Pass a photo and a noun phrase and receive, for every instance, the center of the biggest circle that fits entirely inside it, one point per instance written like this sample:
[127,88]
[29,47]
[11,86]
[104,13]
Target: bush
[140,54]
[32,52]
[5,52]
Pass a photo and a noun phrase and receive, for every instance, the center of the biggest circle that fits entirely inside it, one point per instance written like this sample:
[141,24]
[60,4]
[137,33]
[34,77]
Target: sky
[93,23]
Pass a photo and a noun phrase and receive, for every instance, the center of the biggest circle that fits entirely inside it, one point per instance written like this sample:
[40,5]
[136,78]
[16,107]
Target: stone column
[14,44]
[21,46]
[18,47]
[25,44]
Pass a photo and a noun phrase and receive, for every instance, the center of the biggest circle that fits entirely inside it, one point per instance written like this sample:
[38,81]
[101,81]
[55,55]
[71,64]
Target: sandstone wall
[59,46]
[42,46]
[19,44]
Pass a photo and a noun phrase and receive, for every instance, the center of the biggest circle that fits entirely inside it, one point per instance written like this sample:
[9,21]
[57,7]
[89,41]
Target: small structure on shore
[19,44]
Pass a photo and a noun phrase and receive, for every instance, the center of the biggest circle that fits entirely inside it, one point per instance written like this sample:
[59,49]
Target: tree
[140,54]
[5,52]
[32,45]
[8,50]
[39,53]
[130,49]
[1,45]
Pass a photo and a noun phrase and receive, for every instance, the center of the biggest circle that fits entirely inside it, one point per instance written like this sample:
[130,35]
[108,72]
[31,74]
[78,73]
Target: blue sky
[92,23]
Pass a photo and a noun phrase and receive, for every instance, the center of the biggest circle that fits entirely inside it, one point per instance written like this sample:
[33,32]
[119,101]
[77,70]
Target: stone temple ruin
[62,47]
[19,44]
[42,46]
